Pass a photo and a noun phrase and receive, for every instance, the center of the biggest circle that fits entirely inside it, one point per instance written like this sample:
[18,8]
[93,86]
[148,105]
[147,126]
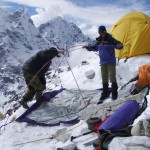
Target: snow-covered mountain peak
[20,15]
[62,33]
[19,12]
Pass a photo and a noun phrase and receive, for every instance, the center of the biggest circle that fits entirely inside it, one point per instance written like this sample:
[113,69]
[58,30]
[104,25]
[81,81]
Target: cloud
[106,14]
[5,7]
[91,32]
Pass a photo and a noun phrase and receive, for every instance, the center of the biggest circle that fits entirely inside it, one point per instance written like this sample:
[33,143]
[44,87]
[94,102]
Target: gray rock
[90,74]
[142,128]
[62,137]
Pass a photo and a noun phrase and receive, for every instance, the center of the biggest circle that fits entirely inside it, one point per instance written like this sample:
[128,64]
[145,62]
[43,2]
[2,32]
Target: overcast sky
[87,14]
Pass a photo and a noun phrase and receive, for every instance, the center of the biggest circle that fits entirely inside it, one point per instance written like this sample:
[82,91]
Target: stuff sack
[121,118]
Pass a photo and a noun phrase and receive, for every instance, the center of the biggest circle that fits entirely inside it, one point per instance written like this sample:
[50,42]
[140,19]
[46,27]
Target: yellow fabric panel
[135,14]
[133,30]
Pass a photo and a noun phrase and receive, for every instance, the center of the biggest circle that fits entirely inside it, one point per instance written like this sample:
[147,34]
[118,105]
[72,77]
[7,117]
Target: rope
[75,80]
[75,46]
[5,123]
[55,72]
[74,49]
[31,81]
[57,69]
[26,88]
[92,114]
[72,128]
[13,119]
[83,45]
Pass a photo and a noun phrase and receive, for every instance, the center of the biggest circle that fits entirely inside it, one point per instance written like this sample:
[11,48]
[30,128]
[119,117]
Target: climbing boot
[105,94]
[114,91]
[24,104]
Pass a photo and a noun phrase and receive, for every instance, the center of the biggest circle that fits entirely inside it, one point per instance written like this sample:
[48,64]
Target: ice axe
[74,137]
[91,122]
[132,80]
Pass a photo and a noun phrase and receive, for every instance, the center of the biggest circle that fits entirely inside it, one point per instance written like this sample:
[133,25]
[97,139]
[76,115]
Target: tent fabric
[109,107]
[61,106]
[39,112]
[133,30]
[69,106]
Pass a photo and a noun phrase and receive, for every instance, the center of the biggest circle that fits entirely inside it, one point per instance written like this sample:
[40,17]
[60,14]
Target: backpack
[126,132]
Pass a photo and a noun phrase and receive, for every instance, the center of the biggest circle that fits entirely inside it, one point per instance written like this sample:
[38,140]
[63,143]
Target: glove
[119,46]
[61,52]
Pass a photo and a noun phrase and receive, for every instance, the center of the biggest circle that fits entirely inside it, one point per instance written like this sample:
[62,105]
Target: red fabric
[96,129]
[98,148]
[98,124]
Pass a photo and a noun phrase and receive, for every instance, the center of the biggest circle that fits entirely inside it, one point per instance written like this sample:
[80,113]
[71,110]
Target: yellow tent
[133,30]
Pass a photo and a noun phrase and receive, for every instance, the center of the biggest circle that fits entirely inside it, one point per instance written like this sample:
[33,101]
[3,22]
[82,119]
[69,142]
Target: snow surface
[37,137]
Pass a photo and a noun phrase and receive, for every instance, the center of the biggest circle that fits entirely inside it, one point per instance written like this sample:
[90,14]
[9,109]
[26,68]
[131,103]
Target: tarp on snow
[57,107]
[69,106]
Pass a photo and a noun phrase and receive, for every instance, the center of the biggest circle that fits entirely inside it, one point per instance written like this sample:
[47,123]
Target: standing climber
[106,45]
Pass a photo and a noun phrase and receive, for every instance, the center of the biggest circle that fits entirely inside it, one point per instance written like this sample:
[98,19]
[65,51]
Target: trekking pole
[132,80]
[123,86]
[4,125]
[74,137]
